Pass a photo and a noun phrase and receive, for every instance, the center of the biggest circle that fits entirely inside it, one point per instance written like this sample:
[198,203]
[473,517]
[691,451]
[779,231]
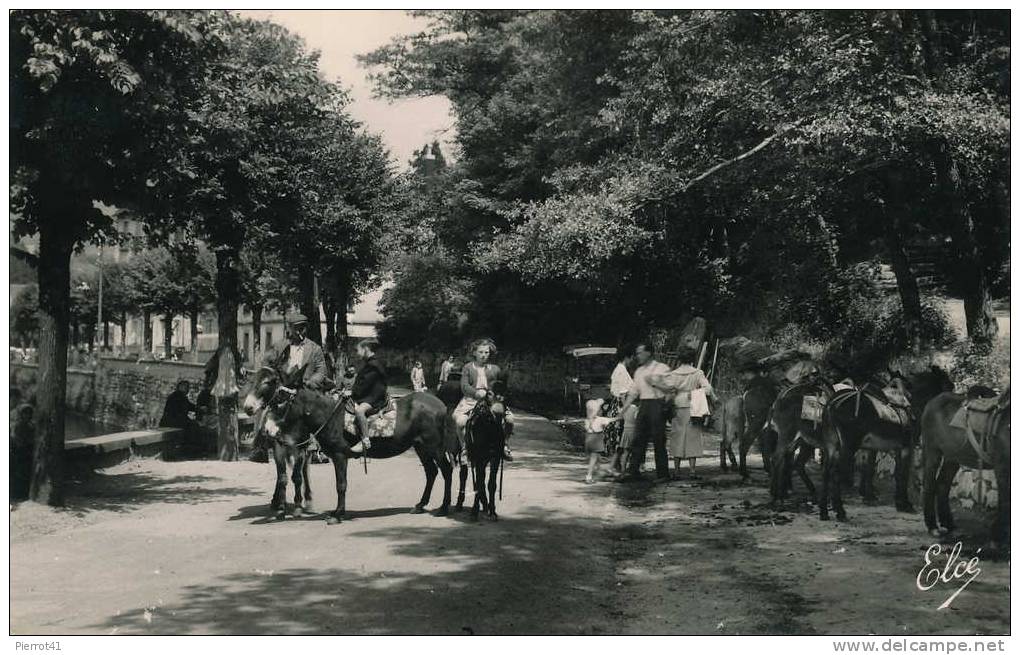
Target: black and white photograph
[691,323]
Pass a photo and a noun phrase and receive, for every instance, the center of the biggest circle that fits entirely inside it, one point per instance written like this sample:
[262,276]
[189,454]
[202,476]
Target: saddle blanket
[893,411]
[380,425]
[811,408]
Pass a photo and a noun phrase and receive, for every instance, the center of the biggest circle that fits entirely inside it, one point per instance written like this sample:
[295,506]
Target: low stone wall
[970,488]
[117,392]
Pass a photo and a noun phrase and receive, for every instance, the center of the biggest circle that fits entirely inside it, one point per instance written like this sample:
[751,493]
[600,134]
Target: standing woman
[620,384]
[686,382]
[418,377]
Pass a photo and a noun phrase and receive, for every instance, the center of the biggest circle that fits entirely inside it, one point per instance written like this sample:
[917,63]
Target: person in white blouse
[651,418]
[620,383]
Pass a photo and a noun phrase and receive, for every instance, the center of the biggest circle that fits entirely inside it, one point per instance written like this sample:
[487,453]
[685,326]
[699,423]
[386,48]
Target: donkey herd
[839,421]
[788,422]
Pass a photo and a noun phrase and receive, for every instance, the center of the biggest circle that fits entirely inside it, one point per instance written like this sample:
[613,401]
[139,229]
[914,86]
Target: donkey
[851,423]
[485,436]
[294,455]
[745,420]
[795,437]
[421,423]
[982,444]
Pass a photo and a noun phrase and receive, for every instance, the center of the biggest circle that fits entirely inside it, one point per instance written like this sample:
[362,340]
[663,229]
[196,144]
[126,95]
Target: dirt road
[187,548]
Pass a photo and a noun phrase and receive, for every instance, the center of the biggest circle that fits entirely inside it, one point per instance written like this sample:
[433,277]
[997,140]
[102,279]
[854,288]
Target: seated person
[368,394]
[177,414]
[477,377]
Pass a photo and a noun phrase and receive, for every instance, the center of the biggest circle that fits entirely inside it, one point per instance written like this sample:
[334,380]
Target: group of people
[367,388]
[418,373]
[645,395]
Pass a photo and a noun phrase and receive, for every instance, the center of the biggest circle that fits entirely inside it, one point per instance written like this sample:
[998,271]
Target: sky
[405,125]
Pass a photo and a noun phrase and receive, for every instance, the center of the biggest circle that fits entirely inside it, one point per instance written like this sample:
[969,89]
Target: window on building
[269,338]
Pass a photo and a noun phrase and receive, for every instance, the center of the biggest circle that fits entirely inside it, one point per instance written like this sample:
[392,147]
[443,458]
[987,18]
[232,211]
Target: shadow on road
[526,573]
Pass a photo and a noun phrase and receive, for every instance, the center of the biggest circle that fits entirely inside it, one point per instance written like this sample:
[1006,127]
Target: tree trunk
[54,273]
[193,317]
[906,283]
[106,335]
[973,281]
[972,278]
[168,335]
[256,328]
[306,288]
[147,332]
[123,335]
[329,309]
[227,302]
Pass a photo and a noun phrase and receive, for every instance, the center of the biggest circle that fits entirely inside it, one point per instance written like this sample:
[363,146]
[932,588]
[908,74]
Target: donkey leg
[904,461]
[944,484]
[298,477]
[308,483]
[722,456]
[446,468]
[732,456]
[279,504]
[463,467]
[1002,527]
[931,460]
[340,468]
[479,490]
[823,495]
[430,477]
[494,467]
[804,455]
[837,489]
[743,446]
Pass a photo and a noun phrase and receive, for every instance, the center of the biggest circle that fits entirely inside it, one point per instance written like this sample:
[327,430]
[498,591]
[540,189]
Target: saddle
[890,404]
[977,417]
[381,423]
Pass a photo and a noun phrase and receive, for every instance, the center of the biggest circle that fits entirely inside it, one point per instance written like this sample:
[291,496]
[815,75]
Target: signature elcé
[932,575]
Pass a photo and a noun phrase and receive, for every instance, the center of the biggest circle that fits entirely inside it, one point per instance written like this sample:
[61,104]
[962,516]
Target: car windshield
[597,368]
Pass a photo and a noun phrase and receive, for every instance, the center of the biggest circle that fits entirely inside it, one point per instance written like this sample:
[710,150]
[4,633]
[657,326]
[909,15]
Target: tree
[127,69]
[603,151]
[25,317]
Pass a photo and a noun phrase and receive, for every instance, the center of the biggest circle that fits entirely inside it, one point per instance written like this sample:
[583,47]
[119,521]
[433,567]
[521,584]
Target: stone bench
[110,449]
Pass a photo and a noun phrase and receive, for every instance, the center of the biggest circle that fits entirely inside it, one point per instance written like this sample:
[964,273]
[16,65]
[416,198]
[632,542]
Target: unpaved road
[187,548]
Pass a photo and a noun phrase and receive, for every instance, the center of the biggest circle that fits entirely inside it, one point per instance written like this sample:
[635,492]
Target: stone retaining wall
[122,393]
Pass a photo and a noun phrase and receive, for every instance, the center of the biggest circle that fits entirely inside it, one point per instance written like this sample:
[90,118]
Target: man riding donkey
[477,378]
[301,355]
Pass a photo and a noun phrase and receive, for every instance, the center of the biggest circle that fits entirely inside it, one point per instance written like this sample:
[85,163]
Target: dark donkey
[422,424]
[982,444]
[274,390]
[795,436]
[485,436]
[851,423]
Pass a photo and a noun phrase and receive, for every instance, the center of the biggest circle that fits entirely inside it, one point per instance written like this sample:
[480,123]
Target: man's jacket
[312,359]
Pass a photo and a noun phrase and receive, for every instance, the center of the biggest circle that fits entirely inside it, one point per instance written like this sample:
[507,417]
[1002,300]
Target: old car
[589,369]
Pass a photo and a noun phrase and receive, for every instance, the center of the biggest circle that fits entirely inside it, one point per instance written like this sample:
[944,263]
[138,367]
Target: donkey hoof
[281,515]
[823,516]
[333,519]
[418,509]
[443,511]
[491,516]
[298,512]
[459,507]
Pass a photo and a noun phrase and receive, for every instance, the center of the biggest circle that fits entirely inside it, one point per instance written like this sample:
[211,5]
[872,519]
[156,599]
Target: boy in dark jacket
[369,394]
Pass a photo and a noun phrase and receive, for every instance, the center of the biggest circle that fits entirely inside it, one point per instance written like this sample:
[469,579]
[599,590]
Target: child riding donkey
[478,377]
